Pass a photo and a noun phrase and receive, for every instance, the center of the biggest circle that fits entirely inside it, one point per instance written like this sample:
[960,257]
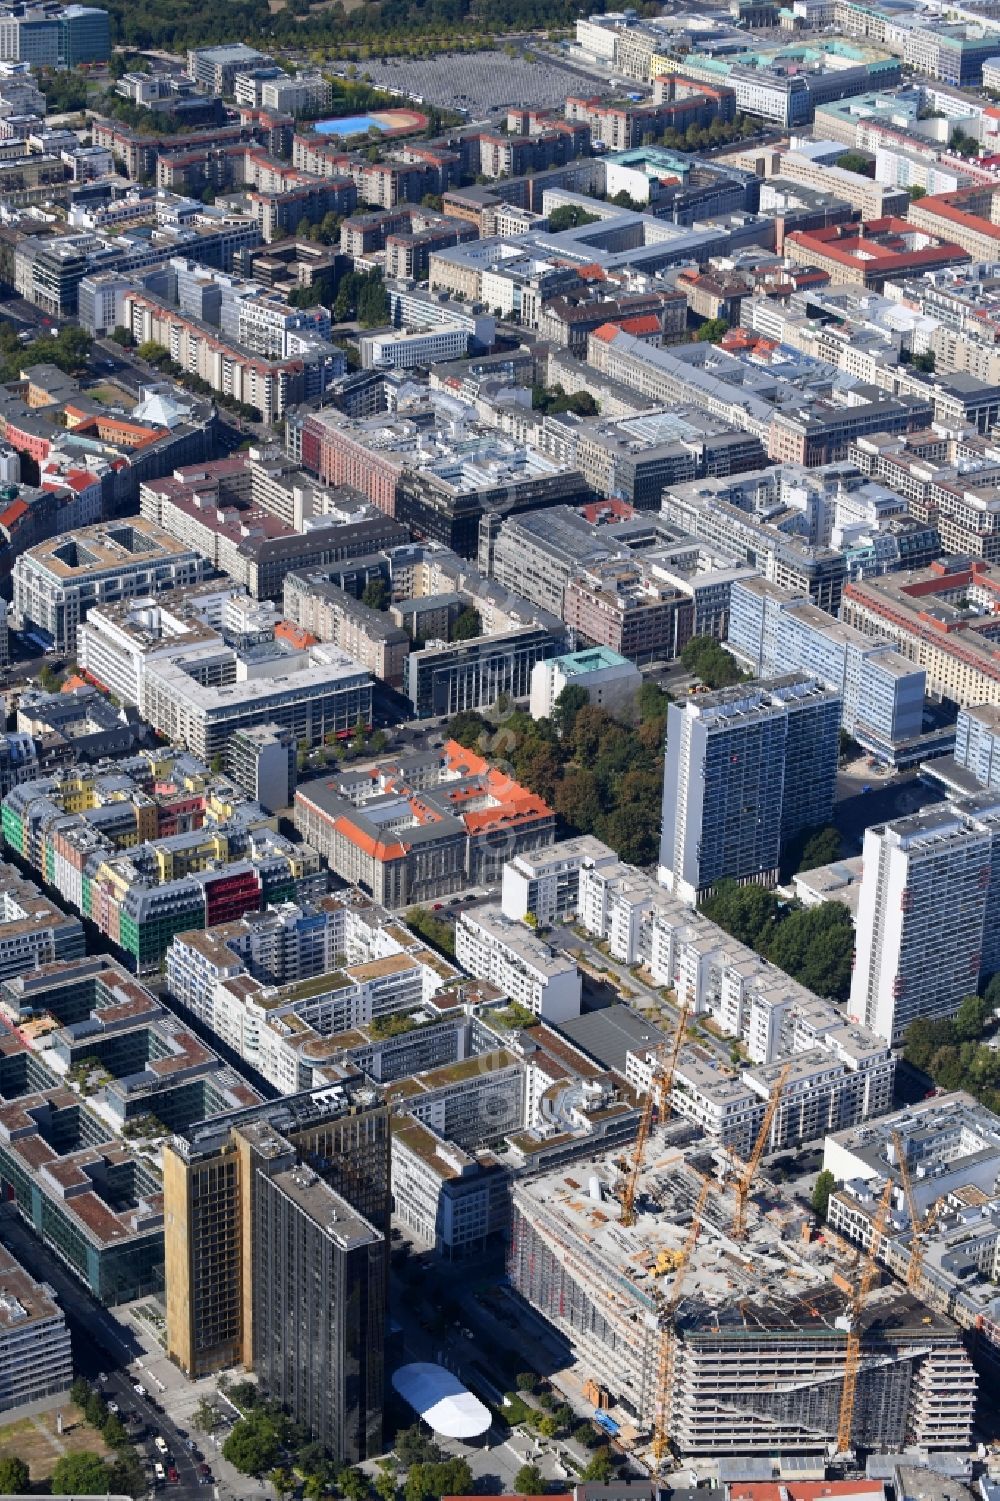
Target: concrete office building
[940,617]
[35,1356]
[449,677]
[773,632]
[276,1243]
[452,1200]
[609,680]
[56,582]
[421,826]
[926,895]
[263,761]
[746,769]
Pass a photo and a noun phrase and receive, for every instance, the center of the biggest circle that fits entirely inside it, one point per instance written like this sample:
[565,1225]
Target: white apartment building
[545,884]
[820,1095]
[491,947]
[923,911]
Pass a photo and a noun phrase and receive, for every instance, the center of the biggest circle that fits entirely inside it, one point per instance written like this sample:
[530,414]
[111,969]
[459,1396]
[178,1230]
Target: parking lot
[479,83]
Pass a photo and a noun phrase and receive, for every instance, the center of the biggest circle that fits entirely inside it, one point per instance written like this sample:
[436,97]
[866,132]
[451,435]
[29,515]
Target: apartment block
[746,769]
[950,1146]
[493,947]
[34,932]
[925,916]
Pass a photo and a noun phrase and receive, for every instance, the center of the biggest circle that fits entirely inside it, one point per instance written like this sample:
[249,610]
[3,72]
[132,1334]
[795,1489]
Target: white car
[161,1445]
[139,1389]
[112,1407]
[160,1473]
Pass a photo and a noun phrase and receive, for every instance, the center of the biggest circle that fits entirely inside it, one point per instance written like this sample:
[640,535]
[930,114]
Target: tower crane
[852,1358]
[918,1228]
[749,1173]
[668,1336]
[661,1082]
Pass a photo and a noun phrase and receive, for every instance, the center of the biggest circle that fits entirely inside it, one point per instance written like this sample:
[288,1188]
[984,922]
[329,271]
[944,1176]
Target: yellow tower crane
[916,1232]
[668,1336]
[745,1182]
[852,1358]
[918,1228]
[661,1081]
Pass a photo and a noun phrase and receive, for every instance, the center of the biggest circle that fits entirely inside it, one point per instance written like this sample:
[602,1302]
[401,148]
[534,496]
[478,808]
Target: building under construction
[759,1351]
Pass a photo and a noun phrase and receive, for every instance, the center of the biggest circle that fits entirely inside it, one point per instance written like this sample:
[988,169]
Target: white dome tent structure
[440,1399]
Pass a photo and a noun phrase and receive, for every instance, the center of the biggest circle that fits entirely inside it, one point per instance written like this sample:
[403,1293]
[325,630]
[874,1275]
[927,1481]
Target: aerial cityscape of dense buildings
[500,779]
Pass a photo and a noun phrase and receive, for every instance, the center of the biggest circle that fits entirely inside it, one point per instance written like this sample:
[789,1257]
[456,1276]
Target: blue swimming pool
[350,125]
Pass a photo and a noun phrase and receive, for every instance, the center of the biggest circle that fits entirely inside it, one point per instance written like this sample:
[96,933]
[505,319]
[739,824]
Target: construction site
[708,1318]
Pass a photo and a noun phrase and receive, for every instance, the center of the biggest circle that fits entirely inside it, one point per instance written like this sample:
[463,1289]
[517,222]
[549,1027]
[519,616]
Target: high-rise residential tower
[925,902]
[746,769]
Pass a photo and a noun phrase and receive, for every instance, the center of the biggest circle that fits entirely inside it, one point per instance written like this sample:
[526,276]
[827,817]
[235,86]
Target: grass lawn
[36,1441]
[110,395]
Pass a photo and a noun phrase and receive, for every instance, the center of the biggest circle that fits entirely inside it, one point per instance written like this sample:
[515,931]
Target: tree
[282,1481]
[820,848]
[123,336]
[467,625]
[822,1189]
[15,1476]
[712,330]
[529,1481]
[526,1381]
[748,913]
[566,707]
[252,1446]
[412,1444]
[386,1484]
[916,193]
[708,660]
[468,728]
[970,1019]
[80,1474]
[152,352]
[113,1431]
[569,216]
[599,1468]
[815,945]
[578,799]
[855,161]
[353,1484]
[79,1392]
[206,1416]
[376,594]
